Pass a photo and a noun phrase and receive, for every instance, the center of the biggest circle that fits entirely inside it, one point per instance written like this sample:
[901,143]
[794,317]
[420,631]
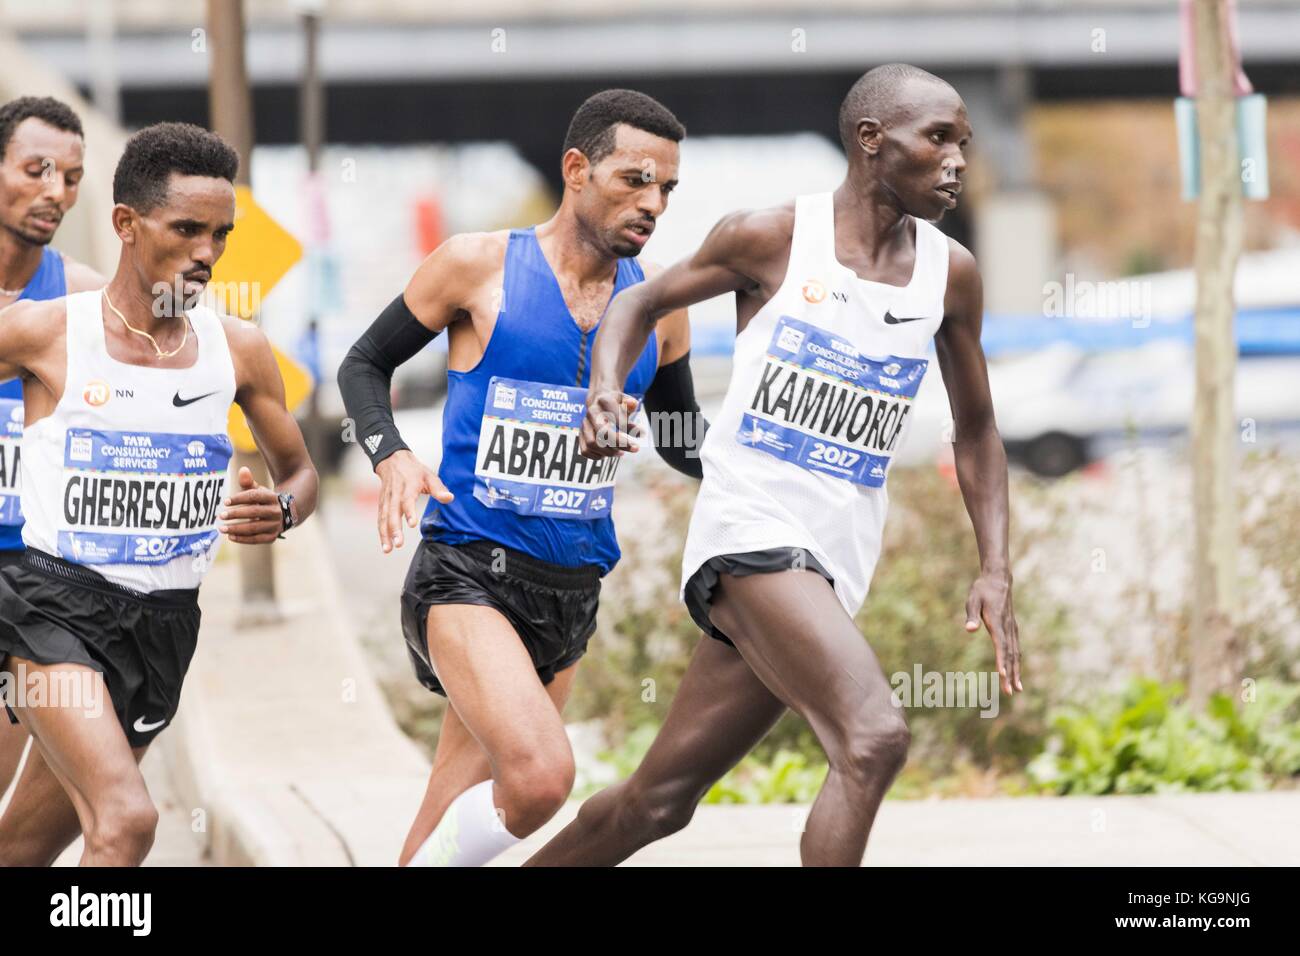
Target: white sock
[469,834]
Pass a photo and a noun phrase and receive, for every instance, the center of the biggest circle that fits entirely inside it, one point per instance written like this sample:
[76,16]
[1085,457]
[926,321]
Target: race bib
[11,451]
[528,460]
[140,497]
[826,407]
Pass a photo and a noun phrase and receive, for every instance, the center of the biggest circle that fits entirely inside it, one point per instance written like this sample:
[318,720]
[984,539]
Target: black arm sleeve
[675,419]
[366,377]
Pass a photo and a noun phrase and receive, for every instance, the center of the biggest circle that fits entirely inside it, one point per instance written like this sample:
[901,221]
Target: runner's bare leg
[459,763]
[720,711]
[88,756]
[795,635]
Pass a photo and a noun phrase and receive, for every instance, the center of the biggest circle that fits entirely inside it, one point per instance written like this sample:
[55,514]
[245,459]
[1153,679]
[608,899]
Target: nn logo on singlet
[815,293]
[96,392]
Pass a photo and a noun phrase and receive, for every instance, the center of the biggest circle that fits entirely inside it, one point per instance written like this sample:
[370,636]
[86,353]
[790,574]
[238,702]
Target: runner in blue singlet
[500,600]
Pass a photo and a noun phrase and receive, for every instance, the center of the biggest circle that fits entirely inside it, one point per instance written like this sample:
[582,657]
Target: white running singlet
[127,474]
[822,384]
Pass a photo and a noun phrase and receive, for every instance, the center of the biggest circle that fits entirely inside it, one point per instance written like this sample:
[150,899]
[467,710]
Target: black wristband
[366,377]
[678,436]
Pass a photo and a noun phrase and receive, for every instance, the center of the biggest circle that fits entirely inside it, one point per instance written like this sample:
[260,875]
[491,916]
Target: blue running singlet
[510,427]
[48,283]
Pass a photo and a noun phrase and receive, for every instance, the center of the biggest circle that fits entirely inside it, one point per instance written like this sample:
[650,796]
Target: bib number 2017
[834,455]
[562,498]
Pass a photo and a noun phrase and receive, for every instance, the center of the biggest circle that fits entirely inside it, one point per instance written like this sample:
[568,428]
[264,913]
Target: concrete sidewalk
[1249,829]
[287,746]
[283,738]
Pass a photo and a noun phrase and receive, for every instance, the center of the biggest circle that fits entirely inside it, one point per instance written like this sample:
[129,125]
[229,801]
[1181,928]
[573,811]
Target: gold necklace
[161,354]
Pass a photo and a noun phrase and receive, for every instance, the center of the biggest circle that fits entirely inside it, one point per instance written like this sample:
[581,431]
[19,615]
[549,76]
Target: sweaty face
[39,177]
[176,244]
[627,191]
[922,152]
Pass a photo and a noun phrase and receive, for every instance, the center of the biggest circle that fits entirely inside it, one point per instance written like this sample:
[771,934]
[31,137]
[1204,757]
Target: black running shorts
[55,612]
[699,589]
[551,607]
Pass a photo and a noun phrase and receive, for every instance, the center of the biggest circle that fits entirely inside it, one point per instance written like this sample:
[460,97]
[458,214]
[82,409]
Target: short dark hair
[44,108]
[157,151]
[592,129]
[877,94]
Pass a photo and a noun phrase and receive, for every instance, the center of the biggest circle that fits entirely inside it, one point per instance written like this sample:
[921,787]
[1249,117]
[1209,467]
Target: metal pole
[105,89]
[311,106]
[231,105]
[312,97]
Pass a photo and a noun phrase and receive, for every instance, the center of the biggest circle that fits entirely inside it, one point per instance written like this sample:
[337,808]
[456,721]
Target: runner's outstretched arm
[720,265]
[259,391]
[438,294]
[981,460]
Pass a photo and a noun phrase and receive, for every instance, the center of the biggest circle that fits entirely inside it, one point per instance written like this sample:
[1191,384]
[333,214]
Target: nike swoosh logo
[142,728]
[182,402]
[898,320]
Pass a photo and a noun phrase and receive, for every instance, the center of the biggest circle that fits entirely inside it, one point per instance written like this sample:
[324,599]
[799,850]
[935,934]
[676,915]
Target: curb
[283,738]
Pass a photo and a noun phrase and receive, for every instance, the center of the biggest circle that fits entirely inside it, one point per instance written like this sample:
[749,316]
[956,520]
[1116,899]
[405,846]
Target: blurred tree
[1215,648]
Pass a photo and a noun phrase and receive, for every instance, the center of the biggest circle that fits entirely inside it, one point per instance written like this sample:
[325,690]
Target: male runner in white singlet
[838,297]
[127,392]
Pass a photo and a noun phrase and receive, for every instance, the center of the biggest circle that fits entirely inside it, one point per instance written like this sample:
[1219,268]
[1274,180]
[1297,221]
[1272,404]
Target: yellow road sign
[297,386]
[259,253]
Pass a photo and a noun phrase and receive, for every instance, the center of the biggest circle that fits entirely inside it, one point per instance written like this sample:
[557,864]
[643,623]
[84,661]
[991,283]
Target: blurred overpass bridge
[404,71]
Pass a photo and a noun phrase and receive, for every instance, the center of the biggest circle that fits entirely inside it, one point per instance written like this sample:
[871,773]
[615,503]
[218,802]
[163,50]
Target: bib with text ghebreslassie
[139,497]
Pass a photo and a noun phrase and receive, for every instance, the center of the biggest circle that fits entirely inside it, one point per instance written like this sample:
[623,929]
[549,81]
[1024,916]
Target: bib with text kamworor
[824,406]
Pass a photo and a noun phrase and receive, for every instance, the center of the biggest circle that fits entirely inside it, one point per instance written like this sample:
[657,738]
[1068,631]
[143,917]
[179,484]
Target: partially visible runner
[41,165]
[500,600]
[126,453]
[838,298]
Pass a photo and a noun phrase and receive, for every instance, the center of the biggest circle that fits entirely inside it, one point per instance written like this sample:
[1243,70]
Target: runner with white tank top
[126,397]
[127,474]
[839,297]
[824,380]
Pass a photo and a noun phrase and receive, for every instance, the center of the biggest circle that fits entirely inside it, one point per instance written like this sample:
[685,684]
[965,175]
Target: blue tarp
[1259,332]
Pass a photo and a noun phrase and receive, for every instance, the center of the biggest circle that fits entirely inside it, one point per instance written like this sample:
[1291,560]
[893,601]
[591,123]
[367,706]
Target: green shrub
[788,776]
[1148,740]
